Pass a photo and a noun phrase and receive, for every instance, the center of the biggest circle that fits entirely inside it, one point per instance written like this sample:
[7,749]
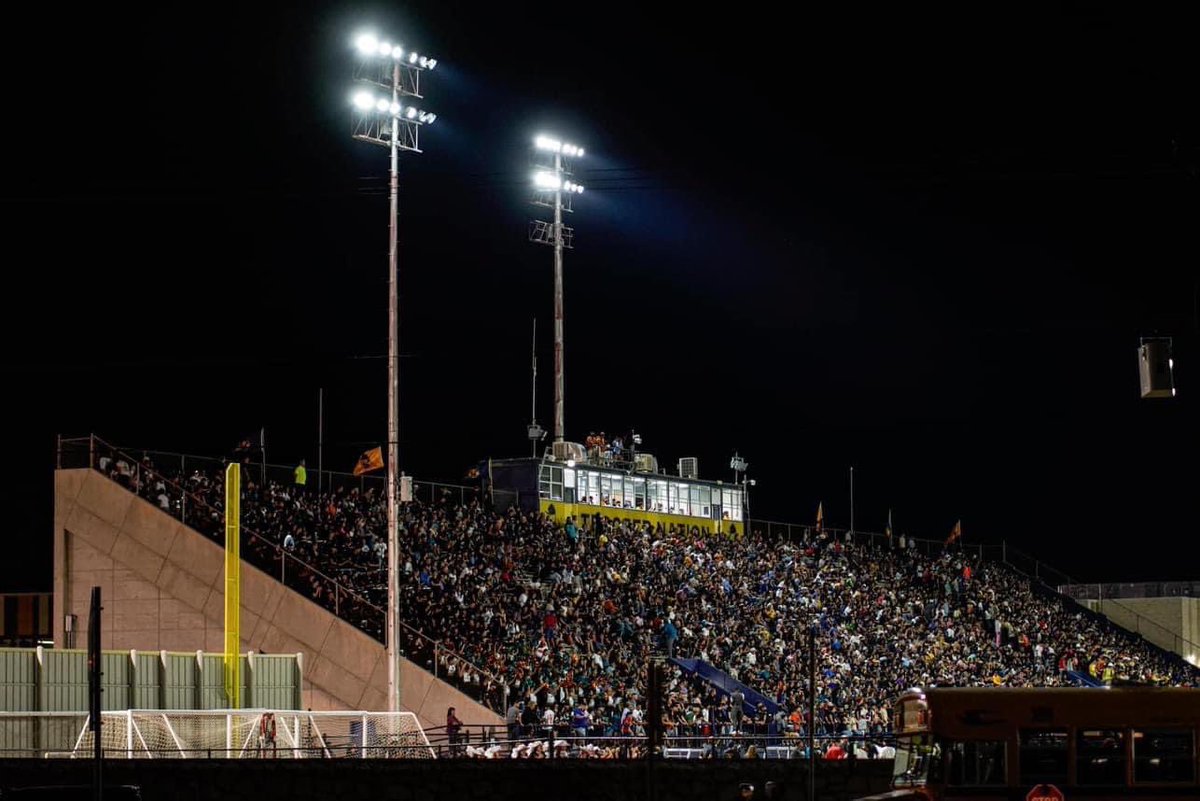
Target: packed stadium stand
[528,615]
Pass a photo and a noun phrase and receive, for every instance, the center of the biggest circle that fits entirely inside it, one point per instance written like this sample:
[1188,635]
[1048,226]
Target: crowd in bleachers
[539,618]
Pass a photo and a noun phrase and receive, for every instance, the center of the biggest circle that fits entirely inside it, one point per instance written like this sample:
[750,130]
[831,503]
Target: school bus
[1046,744]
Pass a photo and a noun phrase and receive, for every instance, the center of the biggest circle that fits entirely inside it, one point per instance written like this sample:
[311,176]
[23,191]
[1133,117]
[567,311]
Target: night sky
[920,243]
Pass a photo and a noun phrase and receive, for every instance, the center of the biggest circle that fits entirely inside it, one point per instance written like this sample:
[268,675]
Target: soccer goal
[257,734]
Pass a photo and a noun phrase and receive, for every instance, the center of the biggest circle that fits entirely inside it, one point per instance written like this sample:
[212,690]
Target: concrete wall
[441,780]
[162,588]
[1170,623]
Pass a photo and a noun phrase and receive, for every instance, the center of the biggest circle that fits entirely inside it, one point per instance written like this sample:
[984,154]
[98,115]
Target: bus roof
[983,712]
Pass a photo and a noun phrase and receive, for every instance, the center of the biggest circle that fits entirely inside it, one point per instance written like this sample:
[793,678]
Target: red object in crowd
[835,752]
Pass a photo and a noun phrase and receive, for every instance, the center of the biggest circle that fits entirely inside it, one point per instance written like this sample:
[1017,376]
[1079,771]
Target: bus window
[973,764]
[1100,757]
[1043,756]
[915,760]
[1163,755]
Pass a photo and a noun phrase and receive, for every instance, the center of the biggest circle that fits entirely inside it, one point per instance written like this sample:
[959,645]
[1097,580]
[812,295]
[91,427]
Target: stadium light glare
[547,180]
[381,104]
[363,100]
[411,112]
[412,58]
[366,43]
[395,109]
[397,52]
[432,63]
[547,143]
[385,49]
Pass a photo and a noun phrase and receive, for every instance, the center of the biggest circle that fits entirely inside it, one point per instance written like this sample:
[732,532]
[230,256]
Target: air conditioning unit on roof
[564,451]
[689,467]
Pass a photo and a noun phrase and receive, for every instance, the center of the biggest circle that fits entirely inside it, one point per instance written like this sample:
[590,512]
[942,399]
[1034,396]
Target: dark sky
[921,243]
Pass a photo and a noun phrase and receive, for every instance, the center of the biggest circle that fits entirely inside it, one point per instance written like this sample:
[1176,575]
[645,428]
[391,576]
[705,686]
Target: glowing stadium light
[381,104]
[423,62]
[363,100]
[397,52]
[547,143]
[410,112]
[431,118]
[432,63]
[367,43]
[412,58]
[547,180]
[385,49]
[395,109]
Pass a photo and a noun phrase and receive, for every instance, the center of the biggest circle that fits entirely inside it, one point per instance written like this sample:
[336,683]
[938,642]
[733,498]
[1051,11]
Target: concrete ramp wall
[163,589]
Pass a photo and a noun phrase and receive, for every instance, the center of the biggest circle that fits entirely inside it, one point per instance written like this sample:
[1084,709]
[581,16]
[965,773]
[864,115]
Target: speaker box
[1156,367]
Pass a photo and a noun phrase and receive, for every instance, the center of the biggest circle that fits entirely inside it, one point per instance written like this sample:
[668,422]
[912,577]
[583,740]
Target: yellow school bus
[1046,744]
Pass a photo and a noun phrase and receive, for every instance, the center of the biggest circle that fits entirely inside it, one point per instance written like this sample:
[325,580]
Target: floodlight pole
[558,303]
[393,543]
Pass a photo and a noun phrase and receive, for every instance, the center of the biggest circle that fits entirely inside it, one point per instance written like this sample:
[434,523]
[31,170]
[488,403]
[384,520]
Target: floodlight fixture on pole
[382,119]
[553,190]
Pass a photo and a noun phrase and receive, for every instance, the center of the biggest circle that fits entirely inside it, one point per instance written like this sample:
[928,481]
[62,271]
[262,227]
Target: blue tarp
[727,685]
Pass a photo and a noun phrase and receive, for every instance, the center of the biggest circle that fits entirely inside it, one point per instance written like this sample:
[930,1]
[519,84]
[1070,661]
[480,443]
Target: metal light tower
[550,184]
[383,120]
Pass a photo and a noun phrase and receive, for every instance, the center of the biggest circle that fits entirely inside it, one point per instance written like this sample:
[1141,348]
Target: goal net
[257,734]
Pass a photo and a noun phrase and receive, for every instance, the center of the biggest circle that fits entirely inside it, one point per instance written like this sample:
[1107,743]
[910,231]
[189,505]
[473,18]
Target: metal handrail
[1138,617]
[437,644]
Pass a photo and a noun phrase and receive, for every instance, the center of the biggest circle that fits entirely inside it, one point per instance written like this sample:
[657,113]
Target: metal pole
[812,711]
[320,434]
[393,619]
[851,499]
[558,304]
[533,443]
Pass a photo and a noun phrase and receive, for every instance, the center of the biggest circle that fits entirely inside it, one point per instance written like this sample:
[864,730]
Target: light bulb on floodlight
[412,112]
[363,100]
[423,62]
[412,58]
[395,109]
[385,49]
[547,143]
[431,118]
[381,105]
[579,152]
[366,43]
[397,52]
[547,180]
[432,63]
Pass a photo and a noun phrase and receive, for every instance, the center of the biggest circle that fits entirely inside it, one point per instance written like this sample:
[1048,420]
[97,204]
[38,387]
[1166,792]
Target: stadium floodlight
[384,120]
[550,183]
[432,63]
[367,44]
[547,180]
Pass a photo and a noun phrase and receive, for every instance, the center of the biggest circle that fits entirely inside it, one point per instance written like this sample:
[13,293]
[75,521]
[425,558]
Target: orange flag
[820,517]
[955,533]
[371,460]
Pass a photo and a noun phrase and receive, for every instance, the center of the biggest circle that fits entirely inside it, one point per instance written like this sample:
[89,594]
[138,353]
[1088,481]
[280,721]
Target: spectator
[301,476]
